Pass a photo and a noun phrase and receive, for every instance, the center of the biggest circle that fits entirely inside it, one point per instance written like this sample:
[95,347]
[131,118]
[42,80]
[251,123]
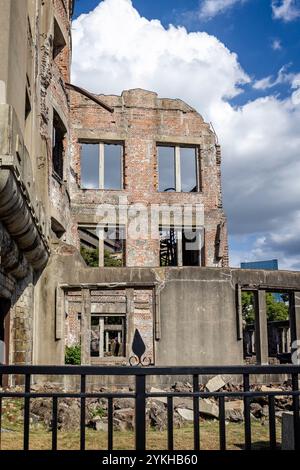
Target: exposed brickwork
[141,120]
[22,322]
[139,314]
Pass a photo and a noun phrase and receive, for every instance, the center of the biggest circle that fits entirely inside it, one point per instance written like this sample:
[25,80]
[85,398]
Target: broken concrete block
[183,402]
[214,384]
[264,388]
[234,411]
[208,407]
[157,390]
[186,414]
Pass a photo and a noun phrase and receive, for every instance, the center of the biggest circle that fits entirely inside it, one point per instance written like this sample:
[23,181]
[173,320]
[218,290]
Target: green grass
[41,438]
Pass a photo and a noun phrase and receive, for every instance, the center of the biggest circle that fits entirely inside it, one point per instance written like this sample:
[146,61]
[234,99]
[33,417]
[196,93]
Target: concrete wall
[195,310]
[30,196]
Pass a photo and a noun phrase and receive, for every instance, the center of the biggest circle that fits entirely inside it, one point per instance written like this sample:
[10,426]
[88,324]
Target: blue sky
[250,91]
[247,29]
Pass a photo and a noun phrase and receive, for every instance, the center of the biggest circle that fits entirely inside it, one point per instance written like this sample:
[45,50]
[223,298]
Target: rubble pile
[68,410]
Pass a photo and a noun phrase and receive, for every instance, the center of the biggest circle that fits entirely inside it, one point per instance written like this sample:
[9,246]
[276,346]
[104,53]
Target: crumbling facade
[34,125]
[111,217]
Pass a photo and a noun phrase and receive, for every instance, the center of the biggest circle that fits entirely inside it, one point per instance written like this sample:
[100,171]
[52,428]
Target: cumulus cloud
[129,51]
[283,77]
[210,8]
[286,10]
[115,48]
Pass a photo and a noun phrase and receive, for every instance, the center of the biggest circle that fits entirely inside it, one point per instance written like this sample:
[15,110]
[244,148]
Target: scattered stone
[127,416]
[186,414]
[121,403]
[264,388]
[256,410]
[183,402]
[98,424]
[160,399]
[182,387]
[209,408]
[234,411]
[157,415]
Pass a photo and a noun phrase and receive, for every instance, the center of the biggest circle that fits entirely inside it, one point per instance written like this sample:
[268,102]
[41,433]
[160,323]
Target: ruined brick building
[94,191]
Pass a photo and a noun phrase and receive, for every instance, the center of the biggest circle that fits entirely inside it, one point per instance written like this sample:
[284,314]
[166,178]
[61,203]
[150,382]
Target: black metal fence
[140,395]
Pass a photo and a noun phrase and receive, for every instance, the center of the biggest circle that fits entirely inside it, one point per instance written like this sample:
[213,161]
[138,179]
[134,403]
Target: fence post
[296,417]
[140,412]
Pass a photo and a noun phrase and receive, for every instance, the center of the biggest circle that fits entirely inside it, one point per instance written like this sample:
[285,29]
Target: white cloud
[114,48]
[210,8]
[283,77]
[286,10]
[276,45]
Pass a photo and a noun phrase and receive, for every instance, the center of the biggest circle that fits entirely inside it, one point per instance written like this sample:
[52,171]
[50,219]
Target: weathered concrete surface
[195,318]
[287,431]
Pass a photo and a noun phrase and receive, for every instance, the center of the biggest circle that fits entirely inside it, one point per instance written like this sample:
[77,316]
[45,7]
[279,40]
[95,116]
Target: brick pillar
[85,326]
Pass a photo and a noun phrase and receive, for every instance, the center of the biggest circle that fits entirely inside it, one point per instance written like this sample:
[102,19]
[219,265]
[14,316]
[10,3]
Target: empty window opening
[180,247]
[178,168]
[278,336]
[103,247]
[248,314]
[101,166]
[59,132]
[107,336]
[166,165]
[279,332]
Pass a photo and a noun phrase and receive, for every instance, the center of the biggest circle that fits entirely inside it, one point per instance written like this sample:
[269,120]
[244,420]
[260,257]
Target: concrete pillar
[86,326]
[100,233]
[294,313]
[106,341]
[179,247]
[129,323]
[261,328]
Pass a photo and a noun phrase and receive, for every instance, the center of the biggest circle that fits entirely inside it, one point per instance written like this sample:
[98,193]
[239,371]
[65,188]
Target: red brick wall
[141,119]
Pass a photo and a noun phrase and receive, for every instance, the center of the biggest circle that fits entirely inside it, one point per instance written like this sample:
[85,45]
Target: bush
[73,355]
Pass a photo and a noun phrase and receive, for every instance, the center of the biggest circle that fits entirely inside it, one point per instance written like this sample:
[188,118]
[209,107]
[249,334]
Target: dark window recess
[107,335]
[59,132]
[183,250]
[190,248]
[168,247]
[27,104]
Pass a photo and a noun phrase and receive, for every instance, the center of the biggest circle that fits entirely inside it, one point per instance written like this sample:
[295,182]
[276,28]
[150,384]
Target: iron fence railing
[141,394]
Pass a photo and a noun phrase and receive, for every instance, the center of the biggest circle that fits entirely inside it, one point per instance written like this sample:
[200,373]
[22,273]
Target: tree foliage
[277,310]
[73,355]
[91,257]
